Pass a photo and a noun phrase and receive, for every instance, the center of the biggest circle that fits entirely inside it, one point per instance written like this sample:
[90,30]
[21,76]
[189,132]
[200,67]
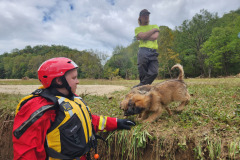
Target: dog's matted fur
[150,103]
[125,104]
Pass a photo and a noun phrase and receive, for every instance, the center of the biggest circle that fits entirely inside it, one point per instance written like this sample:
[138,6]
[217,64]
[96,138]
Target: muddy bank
[6,124]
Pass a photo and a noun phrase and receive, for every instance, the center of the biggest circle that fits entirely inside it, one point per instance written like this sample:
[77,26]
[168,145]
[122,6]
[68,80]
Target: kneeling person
[53,122]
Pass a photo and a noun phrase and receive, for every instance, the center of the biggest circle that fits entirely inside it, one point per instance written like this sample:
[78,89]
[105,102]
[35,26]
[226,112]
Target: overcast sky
[92,24]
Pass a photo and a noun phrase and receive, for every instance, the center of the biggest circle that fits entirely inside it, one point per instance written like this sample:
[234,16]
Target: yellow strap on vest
[72,107]
[21,101]
[86,113]
[25,98]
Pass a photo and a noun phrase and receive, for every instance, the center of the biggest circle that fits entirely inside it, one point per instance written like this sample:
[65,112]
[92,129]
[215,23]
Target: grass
[208,128]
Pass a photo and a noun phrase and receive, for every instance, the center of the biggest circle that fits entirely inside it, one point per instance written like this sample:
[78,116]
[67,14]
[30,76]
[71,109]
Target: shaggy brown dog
[157,98]
[124,105]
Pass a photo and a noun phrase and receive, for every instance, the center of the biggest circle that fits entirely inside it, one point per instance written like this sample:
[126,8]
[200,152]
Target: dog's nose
[126,114]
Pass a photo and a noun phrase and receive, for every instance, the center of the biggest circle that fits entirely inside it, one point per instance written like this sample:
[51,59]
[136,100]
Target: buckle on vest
[37,92]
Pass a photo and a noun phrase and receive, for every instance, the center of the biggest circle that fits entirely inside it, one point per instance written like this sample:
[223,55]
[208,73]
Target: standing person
[53,122]
[147,54]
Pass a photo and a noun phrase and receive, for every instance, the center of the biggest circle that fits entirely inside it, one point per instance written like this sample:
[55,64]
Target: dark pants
[147,65]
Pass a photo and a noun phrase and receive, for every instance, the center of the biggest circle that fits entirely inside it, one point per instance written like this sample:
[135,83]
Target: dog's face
[128,106]
[132,109]
[124,103]
[133,104]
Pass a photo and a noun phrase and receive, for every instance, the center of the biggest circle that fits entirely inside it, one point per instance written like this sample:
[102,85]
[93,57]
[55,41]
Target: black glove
[125,124]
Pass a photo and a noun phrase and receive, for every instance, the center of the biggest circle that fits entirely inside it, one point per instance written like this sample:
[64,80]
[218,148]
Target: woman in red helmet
[53,122]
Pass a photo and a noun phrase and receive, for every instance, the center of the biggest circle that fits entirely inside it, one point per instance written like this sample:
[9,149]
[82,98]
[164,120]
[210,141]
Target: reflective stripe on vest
[33,118]
[102,123]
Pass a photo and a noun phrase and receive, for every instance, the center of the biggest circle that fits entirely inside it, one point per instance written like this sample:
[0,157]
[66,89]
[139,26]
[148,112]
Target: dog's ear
[138,100]
[136,97]
[123,104]
[142,101]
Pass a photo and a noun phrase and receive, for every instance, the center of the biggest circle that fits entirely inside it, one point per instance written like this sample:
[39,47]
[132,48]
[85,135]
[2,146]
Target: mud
[6,124]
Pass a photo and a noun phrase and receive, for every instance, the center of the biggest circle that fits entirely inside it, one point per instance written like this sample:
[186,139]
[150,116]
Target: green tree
[190,37]
[223,47]
[33,65]
[120,60]
[91,66]
[110,73]
[21,63]
[167,57]
[2,71]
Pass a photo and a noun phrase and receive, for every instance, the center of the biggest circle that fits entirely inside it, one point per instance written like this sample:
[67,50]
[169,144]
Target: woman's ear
[59,81]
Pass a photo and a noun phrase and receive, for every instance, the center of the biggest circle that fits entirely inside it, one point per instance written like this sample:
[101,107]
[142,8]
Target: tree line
[25,63]
[206,46]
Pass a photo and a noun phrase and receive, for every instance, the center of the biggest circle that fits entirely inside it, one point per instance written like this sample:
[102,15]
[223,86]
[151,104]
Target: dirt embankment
[6,124]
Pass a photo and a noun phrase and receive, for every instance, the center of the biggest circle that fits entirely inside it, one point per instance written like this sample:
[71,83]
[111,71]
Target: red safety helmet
[52,68]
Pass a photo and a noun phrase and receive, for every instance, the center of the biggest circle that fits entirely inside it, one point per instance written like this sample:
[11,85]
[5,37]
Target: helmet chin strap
[66,85]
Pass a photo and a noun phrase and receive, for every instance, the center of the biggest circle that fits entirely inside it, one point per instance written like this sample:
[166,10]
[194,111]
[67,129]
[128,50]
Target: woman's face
[72,79]
[144,19]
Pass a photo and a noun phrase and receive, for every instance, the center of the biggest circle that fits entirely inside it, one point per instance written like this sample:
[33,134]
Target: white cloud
[91,24]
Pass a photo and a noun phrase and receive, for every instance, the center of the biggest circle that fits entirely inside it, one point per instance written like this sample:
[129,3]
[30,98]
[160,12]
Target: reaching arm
[104,123]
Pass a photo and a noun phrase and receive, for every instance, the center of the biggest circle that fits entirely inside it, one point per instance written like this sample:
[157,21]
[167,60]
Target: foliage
[125,60]
[110,73]
[223,47]
[189,38]
[167,57]
[25,63]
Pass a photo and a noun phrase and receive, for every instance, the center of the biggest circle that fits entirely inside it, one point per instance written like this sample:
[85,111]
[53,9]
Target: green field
[208,128]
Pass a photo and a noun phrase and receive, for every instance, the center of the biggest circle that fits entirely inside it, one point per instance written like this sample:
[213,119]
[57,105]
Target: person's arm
[30,145]
[104,123]
[149,35]
[154,36]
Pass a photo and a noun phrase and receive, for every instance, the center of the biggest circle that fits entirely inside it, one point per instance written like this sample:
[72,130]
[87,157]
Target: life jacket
[71,135]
